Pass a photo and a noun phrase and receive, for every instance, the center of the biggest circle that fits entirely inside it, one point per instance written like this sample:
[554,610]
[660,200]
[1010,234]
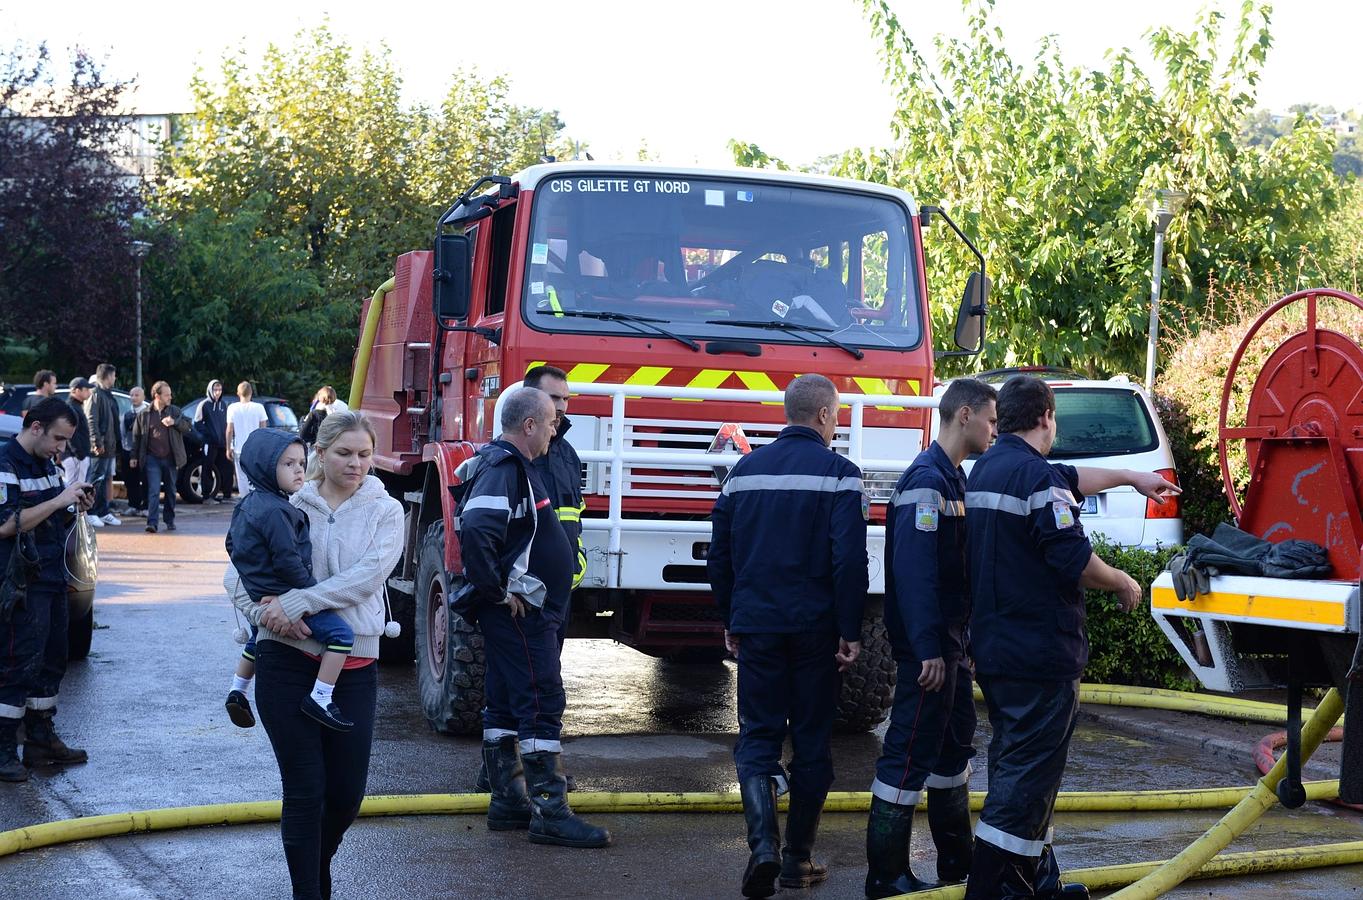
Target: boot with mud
[509,807]
[552,821]
[42,746]
[888,830]
[764,836]
[11,769]
[799,869]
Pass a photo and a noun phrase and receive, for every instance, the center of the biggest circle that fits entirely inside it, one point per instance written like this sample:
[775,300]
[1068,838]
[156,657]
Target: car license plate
[1091,506]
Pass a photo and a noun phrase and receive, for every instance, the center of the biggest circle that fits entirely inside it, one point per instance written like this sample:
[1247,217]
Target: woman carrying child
[356,534]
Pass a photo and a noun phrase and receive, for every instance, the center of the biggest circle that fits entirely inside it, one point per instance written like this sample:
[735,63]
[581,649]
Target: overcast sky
[801,78]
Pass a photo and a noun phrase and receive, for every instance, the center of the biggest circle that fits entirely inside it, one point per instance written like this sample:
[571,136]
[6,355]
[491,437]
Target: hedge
[1129,648]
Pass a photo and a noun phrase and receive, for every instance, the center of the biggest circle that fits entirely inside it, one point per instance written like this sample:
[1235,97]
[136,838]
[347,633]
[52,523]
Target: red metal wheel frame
[1224,433]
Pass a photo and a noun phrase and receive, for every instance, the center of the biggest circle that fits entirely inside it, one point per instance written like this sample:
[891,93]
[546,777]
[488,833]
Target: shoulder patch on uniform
[925,516]
[1064,516]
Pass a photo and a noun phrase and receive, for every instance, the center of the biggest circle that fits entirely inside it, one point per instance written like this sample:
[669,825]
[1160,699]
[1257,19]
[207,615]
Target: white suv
[1110,425]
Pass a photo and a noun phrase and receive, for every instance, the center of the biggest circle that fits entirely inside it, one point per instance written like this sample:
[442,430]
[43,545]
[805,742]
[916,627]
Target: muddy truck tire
[450,660]
[868,687]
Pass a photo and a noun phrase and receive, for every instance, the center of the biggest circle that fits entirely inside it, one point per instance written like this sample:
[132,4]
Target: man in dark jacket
[101,408]
[1029,565]
[561,471]
[159,451]
[76,459]
[518,572]
[927,611]
[788,568]
[210,421]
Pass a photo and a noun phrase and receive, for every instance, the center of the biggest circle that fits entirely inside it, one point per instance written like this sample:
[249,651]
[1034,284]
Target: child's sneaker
[239,710]
[329,715]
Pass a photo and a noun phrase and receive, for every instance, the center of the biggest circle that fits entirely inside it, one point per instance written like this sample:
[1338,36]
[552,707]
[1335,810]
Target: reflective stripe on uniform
[1005,841]
[948,781]
[492,734]
[1018,506]
[914,496]
[540,745]
[31,484]
[821,484]
[895,795]
[41,703]
[489,501]
[11,712]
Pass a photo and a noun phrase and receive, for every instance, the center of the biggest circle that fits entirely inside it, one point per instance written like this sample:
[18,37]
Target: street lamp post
[139,250]
[1167,203]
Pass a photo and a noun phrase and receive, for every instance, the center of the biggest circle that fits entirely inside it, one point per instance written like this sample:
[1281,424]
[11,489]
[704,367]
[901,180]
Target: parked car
[1110,424]
[82,558]
[197,480]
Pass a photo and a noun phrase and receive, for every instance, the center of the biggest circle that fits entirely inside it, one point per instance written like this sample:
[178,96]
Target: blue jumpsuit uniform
[33,643]
[560,471]
[927,608]
[1027,552]
[787,564]
[511,541]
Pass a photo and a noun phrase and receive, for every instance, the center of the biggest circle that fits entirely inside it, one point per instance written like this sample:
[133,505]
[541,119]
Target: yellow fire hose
[1152,878]
[366,348]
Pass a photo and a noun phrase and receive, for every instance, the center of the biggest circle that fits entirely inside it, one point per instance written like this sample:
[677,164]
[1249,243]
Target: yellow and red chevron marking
[651,376]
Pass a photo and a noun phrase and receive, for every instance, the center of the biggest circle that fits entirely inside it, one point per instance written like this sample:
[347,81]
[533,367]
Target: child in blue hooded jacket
[269,545]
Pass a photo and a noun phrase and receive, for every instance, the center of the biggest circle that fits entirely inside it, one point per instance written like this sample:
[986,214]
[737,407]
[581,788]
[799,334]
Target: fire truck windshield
[687,254]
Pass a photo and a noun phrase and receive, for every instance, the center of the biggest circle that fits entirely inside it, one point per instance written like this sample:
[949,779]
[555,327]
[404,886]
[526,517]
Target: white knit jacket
[354,550]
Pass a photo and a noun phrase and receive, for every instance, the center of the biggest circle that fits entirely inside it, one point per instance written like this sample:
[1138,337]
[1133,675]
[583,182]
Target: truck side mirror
[970,317]
[452,276]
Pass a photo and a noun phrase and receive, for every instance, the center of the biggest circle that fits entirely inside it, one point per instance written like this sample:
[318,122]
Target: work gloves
[1230,551]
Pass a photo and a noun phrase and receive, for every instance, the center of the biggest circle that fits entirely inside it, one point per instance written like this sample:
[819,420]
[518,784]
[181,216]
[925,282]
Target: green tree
[340,173]
[1053,169]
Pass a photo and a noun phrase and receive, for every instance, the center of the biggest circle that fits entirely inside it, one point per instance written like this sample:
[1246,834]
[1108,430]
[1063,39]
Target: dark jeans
[160,475]
[323,771]
[101,475]
[134,481]
[328,629]
[787,683]
[216,461]
[33,651]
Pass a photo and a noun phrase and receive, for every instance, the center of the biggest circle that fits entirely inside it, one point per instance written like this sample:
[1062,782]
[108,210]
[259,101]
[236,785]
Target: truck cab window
[503,224]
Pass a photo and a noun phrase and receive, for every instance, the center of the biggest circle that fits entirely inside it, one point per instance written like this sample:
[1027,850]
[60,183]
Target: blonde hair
[330,431]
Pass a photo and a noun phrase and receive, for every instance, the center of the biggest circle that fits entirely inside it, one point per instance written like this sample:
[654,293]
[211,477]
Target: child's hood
[260,455]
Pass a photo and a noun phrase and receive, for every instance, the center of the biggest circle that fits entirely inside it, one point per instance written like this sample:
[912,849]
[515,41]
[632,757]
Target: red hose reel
[1303,434]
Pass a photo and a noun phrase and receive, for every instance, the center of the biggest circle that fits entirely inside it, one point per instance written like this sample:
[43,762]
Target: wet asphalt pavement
[147,704]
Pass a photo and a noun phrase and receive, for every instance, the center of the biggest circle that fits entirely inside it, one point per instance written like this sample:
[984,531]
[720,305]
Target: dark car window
[280,415]
[1101,422]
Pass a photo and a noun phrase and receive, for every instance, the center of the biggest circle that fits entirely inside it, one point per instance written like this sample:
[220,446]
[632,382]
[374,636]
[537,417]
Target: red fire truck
[680,302]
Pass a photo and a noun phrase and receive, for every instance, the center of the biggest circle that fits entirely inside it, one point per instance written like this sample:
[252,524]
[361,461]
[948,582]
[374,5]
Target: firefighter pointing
[927,609]
[1029,564]
[787,564]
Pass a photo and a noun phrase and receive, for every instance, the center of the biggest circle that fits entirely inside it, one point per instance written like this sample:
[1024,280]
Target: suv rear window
[1101,422]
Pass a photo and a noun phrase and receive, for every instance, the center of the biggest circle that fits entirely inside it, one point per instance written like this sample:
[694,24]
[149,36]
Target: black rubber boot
[799,869]
[1048,883]
[764,836]
[995,873]
[552,821]
[481,784]
[509,807]
[11,769]
[42,747]
[949,819]
[888,872]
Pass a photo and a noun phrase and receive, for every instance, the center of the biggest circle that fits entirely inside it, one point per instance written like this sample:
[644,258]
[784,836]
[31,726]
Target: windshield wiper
[816,330]
[628,319]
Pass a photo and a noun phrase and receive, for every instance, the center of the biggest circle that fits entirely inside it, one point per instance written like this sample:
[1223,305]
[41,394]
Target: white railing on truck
[618,455]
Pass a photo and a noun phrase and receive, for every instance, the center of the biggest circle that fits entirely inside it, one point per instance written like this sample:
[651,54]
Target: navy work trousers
[928,743]
[1033,722]
[787,683]
[323,771]
[33,651]
[522,689]
[160,475]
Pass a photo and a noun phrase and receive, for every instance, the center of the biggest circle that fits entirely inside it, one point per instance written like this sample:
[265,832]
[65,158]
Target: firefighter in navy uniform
[927,611]
[518,571]
[561,471]
[1029,564]
[787,564]
[36,511]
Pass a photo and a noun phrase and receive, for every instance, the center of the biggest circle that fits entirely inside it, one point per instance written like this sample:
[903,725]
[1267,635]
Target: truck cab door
[483,355]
